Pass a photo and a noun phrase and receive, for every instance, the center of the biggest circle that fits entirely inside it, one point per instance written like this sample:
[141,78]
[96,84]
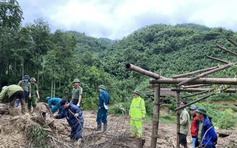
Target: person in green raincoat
[137,114]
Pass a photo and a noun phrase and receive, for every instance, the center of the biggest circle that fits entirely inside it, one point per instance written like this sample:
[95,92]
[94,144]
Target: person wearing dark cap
[103,103]
[76,92]
[74,117]
[137,113]
[184,125]
[206,132]
[193,127]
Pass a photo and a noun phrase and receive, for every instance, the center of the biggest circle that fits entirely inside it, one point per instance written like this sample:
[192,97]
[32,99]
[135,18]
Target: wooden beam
[231,41]
[143,71]
[213,58]
[199,93]
[192,89]
[194,86]
[194,72]
[205,97]
[222,48]
[228,81]
[206,73]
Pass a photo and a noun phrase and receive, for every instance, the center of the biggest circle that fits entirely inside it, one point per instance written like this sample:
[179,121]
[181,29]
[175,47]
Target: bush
[227,119]
[37,136]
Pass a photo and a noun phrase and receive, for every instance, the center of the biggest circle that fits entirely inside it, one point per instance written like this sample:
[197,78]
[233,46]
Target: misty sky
[115,19]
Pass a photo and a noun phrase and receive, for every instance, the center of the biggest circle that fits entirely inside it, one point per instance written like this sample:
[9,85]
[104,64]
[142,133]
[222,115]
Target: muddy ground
[17,132]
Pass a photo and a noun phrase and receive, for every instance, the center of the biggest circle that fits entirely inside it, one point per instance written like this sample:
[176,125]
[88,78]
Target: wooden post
[156,113]
[178,116]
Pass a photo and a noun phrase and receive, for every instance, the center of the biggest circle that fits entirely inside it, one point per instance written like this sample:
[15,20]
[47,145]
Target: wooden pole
[156,114]
[194,86]
[231,41]
[143,71]
[199,93]
[192,89]
[213,58]
[194,72]
[222,48]
[206,73]
[228,81]
[179,108]
[178,118]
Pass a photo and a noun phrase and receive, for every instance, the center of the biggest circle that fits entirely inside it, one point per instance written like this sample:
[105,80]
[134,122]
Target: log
[193,86]
[222,48]
[213,58]
[143,71]
[231,41]
[228,81]
[194,72]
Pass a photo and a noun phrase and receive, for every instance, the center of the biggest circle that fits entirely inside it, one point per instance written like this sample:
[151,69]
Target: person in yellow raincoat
[137,114]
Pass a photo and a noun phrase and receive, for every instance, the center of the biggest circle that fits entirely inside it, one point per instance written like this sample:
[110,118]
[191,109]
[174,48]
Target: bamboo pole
[231,41]
[143,71]
[194,86]
[179,108]
[213,58]
[192,89]
[199,93]
[228,81]
[178,118]
[156,113]
[194,72]
[222,48]
[206,73]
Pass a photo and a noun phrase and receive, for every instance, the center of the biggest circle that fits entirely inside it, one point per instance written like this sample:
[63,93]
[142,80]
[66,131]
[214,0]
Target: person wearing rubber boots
[76,93]
[103,103]
[184,125]
[12,92]
[34,95]
[74,116]
[137,113]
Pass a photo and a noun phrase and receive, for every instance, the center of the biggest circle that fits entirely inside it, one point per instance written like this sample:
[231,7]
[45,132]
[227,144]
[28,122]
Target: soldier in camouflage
[76,93]
[34,95]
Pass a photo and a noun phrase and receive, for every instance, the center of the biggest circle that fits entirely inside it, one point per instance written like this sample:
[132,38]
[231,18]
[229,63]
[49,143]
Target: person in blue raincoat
[102,110]
[55,102]
[207,136]
[74,116]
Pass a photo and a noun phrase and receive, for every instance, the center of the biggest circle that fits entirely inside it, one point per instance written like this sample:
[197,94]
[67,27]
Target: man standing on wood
[12,92]
[184,125]
[76,93]
[137,114]
[103,107]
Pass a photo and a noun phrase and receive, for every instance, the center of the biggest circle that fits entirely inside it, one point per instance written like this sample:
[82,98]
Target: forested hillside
[55,59]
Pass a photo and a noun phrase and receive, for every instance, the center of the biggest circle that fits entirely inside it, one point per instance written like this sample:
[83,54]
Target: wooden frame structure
[179,81]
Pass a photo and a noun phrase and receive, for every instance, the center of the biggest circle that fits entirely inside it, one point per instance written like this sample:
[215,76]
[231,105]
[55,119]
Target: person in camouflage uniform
[25,84]
[12,92]
[34,95]
[76,93]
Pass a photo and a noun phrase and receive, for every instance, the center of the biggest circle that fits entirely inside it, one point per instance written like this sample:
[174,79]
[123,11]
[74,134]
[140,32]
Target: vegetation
[55,59]
[37,136]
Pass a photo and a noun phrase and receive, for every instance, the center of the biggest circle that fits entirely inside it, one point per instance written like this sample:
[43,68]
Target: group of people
[201,130]
[25,92]
[70,109]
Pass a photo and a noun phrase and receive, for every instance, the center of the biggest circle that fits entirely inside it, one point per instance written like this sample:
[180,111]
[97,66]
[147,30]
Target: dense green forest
[55,59]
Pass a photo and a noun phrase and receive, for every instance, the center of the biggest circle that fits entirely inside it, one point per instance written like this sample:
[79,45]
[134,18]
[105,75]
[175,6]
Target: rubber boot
[98,127]
[104,127]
